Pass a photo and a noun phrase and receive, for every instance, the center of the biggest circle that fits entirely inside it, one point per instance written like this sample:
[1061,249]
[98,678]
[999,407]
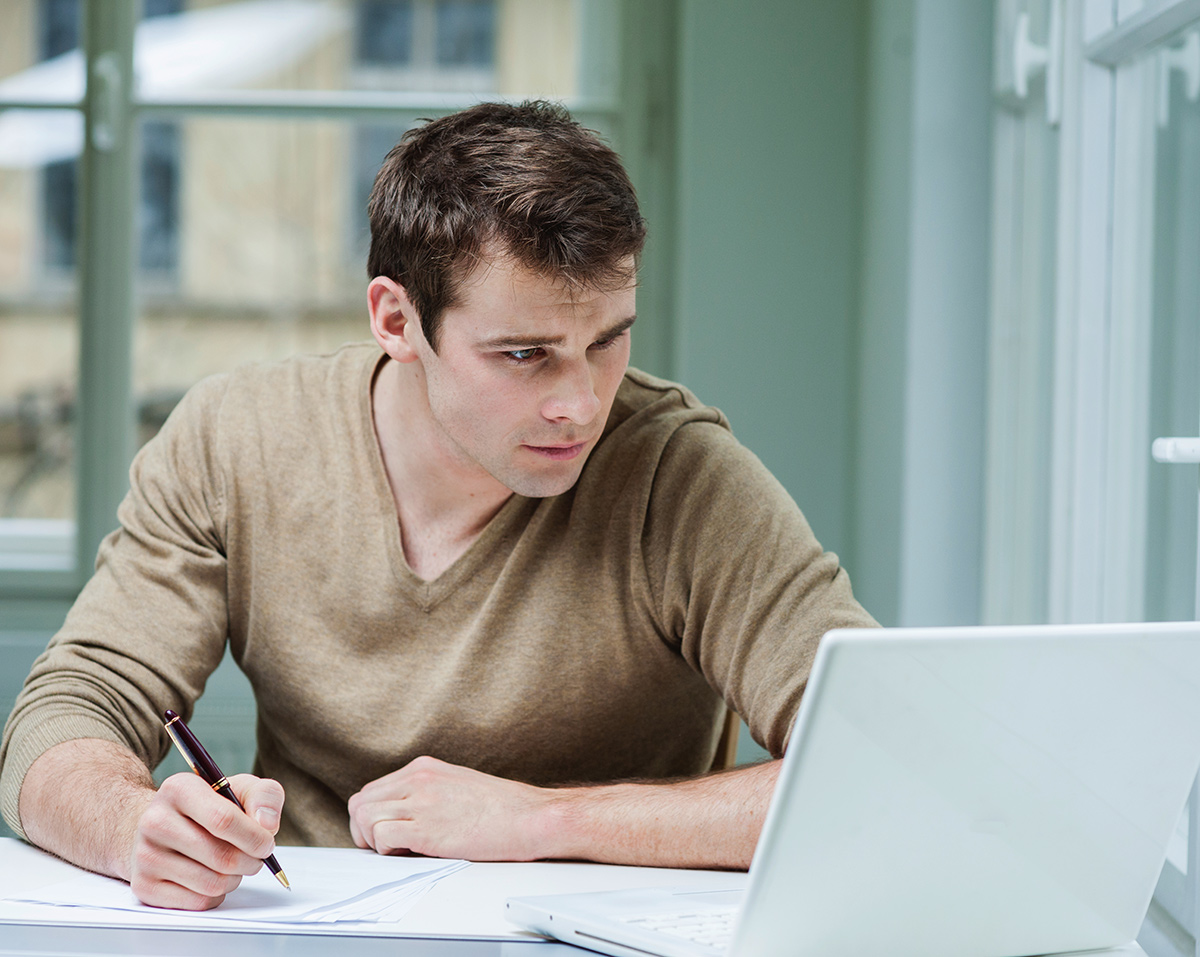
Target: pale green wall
[832,270]
[769,153]
[884,283]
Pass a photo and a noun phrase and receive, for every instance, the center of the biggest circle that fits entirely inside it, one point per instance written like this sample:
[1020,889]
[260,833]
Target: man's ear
[394,320]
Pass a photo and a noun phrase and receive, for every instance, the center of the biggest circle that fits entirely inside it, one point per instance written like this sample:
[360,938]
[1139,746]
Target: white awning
[216,48]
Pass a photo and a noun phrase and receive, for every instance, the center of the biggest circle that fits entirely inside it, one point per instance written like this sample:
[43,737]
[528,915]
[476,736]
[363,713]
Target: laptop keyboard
[711,926]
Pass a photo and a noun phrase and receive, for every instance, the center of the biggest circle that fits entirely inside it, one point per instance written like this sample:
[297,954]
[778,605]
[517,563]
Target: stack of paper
[329,885]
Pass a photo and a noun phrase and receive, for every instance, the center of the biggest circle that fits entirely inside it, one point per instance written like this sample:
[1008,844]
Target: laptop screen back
[983,791]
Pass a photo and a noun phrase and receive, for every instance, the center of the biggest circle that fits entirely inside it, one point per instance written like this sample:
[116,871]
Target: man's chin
[542,486]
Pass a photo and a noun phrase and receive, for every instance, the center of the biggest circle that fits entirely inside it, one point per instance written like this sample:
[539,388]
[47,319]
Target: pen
[202,763]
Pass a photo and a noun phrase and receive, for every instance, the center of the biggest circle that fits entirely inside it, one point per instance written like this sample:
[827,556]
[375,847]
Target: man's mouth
[557,452]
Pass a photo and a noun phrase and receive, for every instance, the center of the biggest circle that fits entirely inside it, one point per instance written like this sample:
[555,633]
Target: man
[476,571]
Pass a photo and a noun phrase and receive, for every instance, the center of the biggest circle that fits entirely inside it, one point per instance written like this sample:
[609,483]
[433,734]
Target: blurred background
[938,261]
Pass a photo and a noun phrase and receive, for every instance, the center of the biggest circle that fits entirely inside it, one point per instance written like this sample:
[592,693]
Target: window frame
[1099,440]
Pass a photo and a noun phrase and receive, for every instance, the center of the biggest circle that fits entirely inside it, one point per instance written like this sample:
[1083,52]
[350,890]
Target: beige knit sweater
[585,637]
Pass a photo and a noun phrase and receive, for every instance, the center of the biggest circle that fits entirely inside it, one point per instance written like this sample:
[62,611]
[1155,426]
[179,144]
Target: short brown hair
[526,180]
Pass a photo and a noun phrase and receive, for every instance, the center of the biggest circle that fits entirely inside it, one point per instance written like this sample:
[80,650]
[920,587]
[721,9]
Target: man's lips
[557,451]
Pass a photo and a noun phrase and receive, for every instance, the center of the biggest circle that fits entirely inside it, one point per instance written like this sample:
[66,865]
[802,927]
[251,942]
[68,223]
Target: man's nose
[573,396]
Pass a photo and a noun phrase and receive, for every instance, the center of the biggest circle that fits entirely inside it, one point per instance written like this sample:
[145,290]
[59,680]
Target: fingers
[164,878]
[366,818]
[219,817]
[261,797]
[384,799]
[394,837]
[444,810]
[193,846]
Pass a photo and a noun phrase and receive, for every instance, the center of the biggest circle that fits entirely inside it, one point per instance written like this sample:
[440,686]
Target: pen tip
[283,880]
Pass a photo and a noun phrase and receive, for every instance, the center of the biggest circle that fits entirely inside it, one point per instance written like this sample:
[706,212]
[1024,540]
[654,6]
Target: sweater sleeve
[150,626]
[740,583]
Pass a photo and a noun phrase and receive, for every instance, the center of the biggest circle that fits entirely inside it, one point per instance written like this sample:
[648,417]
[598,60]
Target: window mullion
[1082,323]
[104,410]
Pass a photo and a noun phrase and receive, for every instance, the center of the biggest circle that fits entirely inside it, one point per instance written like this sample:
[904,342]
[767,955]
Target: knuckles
[222,816]
[157,821]
[227,859]
[147,860]
[215,886]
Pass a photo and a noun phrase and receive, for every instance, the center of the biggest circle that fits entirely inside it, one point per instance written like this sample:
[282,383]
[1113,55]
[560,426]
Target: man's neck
[443,502]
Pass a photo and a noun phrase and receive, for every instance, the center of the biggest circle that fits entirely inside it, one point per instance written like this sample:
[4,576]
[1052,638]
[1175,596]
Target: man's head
[526,182]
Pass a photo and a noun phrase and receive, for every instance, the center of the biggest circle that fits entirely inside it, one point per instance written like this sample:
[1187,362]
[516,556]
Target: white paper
[467,905]
[328,885]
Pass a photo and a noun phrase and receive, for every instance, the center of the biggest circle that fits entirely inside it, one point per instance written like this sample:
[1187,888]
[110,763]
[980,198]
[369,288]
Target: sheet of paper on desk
[329,885]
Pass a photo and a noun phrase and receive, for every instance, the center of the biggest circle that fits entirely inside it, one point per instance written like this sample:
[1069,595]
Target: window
[426,44]
[59,22]
[1096,336]
[384,32]
[58,33]
[465,33]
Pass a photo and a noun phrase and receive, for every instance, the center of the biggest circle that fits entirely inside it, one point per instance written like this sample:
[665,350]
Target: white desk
[484,885]
[468,904]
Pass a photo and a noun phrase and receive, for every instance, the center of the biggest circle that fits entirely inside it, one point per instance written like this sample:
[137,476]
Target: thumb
[262,798]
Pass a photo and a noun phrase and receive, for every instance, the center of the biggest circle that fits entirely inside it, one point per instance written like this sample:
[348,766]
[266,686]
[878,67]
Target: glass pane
[39,330]
[1156,341]
[1174,401]
[40,57]
[259,225]
[1021,347]
[466,33]
[383,31]
[481,47]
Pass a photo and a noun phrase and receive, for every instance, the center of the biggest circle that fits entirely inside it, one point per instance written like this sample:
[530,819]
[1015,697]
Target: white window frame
[1099,438]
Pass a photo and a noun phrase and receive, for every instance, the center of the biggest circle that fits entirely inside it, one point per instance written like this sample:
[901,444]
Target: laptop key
[711,927]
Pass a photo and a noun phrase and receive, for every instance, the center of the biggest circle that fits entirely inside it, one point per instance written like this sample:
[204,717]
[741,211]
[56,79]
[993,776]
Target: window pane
[517,48]
[1174,402]
[58,27]
[59,182]
[1021,346]
[38,321]
[1155,353]
[158,233]
[384,32]
[465,33]
[270,253]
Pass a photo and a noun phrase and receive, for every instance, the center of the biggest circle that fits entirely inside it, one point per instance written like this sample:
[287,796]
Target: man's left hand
[443,810]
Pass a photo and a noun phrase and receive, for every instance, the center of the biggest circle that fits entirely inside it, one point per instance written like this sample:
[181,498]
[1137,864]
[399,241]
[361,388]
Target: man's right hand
[93,803]
[192,846]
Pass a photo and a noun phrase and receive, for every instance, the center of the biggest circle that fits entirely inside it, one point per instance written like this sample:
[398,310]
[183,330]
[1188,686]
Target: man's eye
[522,355]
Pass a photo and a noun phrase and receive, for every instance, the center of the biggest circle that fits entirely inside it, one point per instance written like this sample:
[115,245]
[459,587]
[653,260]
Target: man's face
[525,374]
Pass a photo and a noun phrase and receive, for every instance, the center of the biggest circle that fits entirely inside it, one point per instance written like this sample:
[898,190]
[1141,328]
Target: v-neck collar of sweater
[426,594]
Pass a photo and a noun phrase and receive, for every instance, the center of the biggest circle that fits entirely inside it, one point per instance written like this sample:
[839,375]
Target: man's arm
[94,804]
[443,810]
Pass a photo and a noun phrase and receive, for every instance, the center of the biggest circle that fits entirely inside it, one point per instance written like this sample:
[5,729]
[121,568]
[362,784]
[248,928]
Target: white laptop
[947,792]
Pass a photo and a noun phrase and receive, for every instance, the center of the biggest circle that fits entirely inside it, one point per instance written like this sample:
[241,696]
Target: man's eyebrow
[530,342]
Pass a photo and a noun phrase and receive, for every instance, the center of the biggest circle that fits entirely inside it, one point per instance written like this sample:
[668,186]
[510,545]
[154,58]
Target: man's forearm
[82,800]
[712,821]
